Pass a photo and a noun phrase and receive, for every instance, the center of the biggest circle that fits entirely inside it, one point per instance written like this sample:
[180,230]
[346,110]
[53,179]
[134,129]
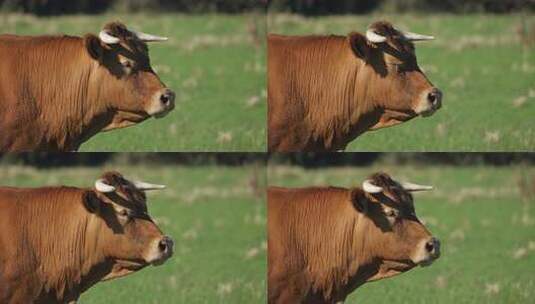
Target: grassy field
[485,223]
[217,223]
[211,61]
[485,72]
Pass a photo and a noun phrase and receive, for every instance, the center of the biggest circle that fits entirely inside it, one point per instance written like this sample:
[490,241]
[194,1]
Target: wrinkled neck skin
[76,99]
[360,266]
[78,259]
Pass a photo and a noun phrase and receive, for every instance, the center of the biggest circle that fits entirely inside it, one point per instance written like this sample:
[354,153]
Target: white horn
[148,37]
[416,37]
[101,186]
[107,38]
[415,187]
[146,186]
[373,37]
[367,186]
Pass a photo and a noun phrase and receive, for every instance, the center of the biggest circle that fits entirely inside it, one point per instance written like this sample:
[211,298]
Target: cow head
[398,241]
[395,84]
[127,85]
[127,235]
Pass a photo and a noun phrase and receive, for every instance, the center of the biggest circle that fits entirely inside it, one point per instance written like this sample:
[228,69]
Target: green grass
[217,223]
[485,224]
[479,64]
[210,61]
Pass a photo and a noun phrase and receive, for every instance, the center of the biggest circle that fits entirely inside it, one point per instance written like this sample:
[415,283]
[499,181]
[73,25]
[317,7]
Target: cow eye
[127,64]
[391,213]
[123,213]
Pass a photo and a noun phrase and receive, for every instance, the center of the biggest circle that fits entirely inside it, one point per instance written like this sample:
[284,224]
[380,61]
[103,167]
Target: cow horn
[367,186]
[415,187]
[416,37]
[146,186]
[101,186]
[148,37]
[374,37]
[107,38]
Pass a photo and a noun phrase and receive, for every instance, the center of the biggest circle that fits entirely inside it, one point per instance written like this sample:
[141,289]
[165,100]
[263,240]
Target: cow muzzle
[427,252]
[162,103]
[161,251]
[429,102]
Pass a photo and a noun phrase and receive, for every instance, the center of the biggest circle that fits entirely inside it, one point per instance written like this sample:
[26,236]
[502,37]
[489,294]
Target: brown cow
[323,243]
[58,91]
[324,91]
[57,242]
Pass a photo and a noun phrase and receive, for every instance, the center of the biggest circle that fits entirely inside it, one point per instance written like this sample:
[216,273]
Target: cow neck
[357,265]
[338,95]
[63,97]
[333,261]
[68,260]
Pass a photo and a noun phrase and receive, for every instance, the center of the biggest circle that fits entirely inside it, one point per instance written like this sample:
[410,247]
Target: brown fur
[323,243]
[324,91]
[58,91]
[59,241]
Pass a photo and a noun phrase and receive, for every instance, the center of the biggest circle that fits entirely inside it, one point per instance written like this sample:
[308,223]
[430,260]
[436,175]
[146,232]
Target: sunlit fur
[55,94]
[323,243]
[59,241]
[324,91]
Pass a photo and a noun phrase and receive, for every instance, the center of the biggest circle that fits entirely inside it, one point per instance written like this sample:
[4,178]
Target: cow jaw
[391,118]
[122,268]
[123,119]
[390,268]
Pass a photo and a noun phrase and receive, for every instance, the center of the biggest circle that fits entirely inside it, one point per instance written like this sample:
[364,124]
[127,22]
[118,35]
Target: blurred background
[482,209]
[308,7]
[483,59]
[54,7]
[214,61]
[323,7]
[213,207]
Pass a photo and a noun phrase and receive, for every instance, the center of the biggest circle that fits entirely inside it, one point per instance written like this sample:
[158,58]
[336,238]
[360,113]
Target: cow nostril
[163,245]
[433,247]
[434,96]
[430,246]
[167,97]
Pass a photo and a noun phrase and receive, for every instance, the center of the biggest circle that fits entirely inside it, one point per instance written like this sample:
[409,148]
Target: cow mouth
[429,260]
[431,109]
[429,112]
[161,259]
[163,113]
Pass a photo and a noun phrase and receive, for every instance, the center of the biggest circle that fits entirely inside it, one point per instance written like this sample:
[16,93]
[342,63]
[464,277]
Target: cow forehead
[399,49]
[127,195]
[399,197]
[394,194]
[134,50]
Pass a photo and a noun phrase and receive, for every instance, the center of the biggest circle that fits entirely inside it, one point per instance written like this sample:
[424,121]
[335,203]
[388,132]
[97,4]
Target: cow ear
[94,47]
[360,200]
[91,202]
[360,46]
